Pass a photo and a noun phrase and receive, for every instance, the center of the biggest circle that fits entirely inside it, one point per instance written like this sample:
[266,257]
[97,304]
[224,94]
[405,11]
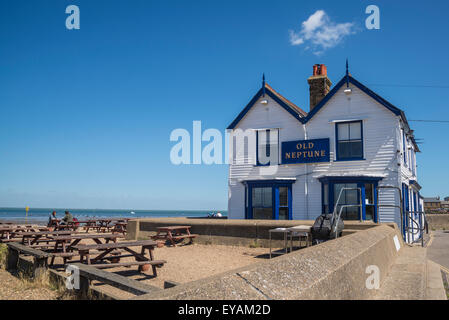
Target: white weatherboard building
[353,151]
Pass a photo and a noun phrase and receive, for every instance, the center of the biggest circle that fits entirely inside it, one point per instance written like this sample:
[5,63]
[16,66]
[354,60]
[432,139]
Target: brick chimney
[319,85]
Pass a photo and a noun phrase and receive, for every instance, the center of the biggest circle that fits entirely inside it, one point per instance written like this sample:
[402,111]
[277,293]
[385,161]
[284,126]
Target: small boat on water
[215,215]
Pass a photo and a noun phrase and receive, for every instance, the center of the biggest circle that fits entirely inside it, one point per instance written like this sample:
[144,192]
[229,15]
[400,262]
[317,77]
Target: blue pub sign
[305,151]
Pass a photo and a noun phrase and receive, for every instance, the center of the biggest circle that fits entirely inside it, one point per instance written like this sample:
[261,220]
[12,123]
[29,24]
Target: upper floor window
[349,140]
[267,147]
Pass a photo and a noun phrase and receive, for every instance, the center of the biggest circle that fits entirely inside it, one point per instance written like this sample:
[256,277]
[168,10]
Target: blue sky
[86,115]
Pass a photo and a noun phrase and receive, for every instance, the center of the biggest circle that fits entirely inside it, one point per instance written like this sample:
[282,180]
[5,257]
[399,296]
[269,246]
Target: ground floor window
[354,196]
[268,200]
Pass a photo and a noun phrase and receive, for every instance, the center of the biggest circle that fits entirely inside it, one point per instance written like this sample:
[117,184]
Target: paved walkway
[438,251]
[416,274]
[407,277]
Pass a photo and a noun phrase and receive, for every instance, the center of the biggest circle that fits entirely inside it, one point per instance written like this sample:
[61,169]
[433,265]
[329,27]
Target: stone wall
[438,221]
[228,232]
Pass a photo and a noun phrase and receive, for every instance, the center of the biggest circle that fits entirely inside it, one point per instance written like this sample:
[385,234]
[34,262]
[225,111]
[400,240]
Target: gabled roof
[289,106]
[304,117]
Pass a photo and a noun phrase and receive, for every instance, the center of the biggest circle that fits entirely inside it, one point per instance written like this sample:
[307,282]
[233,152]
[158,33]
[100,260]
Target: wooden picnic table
[31,238]
[108,251]
[120,227]
[174,234]
[64,244]
[104,225]
[7,234]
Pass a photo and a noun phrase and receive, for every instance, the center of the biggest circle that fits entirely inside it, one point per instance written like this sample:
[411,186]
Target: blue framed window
[264,145]
[332,186]
[404,147]
[349,140]
[268,200]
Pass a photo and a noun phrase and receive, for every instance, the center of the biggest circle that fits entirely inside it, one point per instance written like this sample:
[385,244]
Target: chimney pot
[319,85]
[319,70]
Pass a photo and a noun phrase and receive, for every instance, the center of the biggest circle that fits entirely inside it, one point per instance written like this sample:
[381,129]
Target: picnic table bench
[64,244]
[120,227]
[103,225]
[31,238]
[40,258]
[174,234]
[108,251]
[11,233]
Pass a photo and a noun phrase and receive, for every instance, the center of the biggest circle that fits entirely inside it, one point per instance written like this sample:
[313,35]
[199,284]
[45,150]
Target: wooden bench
[107,248]
[65,243]
[190,236]
[35,237]
[89,273]
[157,263]
[174,234]
[40,258]
[64,255]
[10,240]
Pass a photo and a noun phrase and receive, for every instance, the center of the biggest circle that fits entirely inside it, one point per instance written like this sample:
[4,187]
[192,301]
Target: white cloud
[320,32]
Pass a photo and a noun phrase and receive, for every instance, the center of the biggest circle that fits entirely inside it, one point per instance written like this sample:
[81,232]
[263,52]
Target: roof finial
[347,73]
[263,84]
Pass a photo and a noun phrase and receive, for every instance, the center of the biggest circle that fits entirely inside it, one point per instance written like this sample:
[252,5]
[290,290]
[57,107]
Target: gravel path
[12,288]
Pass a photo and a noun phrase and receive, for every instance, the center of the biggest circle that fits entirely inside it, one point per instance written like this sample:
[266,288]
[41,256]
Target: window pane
[263,213]
[326,194]
[326,198]
[348,197]
[369,193]
[283,196]
[355,130]
[283,213]
[343,131]
[337,190]
[351,196]
[262,197]
[267,194]
[351,213]
[257,197]
[267,143]
[369,212]
[344,150]
[356,149]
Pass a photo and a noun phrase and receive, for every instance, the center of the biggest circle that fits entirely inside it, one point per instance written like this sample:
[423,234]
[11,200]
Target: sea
[40,215]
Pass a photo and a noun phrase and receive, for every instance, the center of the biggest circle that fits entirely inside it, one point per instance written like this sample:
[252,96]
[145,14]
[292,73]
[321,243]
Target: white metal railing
[336,218]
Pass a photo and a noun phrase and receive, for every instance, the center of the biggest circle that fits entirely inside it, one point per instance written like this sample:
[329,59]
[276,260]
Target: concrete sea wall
[438,221]
[336,269]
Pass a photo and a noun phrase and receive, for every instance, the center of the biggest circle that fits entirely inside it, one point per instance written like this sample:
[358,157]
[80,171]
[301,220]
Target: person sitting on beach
[68,218]
[52,220]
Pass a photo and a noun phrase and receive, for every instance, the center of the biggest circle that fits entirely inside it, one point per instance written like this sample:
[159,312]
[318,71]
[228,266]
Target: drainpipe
[306,186]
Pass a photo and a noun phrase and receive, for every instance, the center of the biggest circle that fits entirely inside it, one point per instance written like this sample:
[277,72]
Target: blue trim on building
[260,93]
[360,181]
[274,184]
[337,158]
[301,119]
